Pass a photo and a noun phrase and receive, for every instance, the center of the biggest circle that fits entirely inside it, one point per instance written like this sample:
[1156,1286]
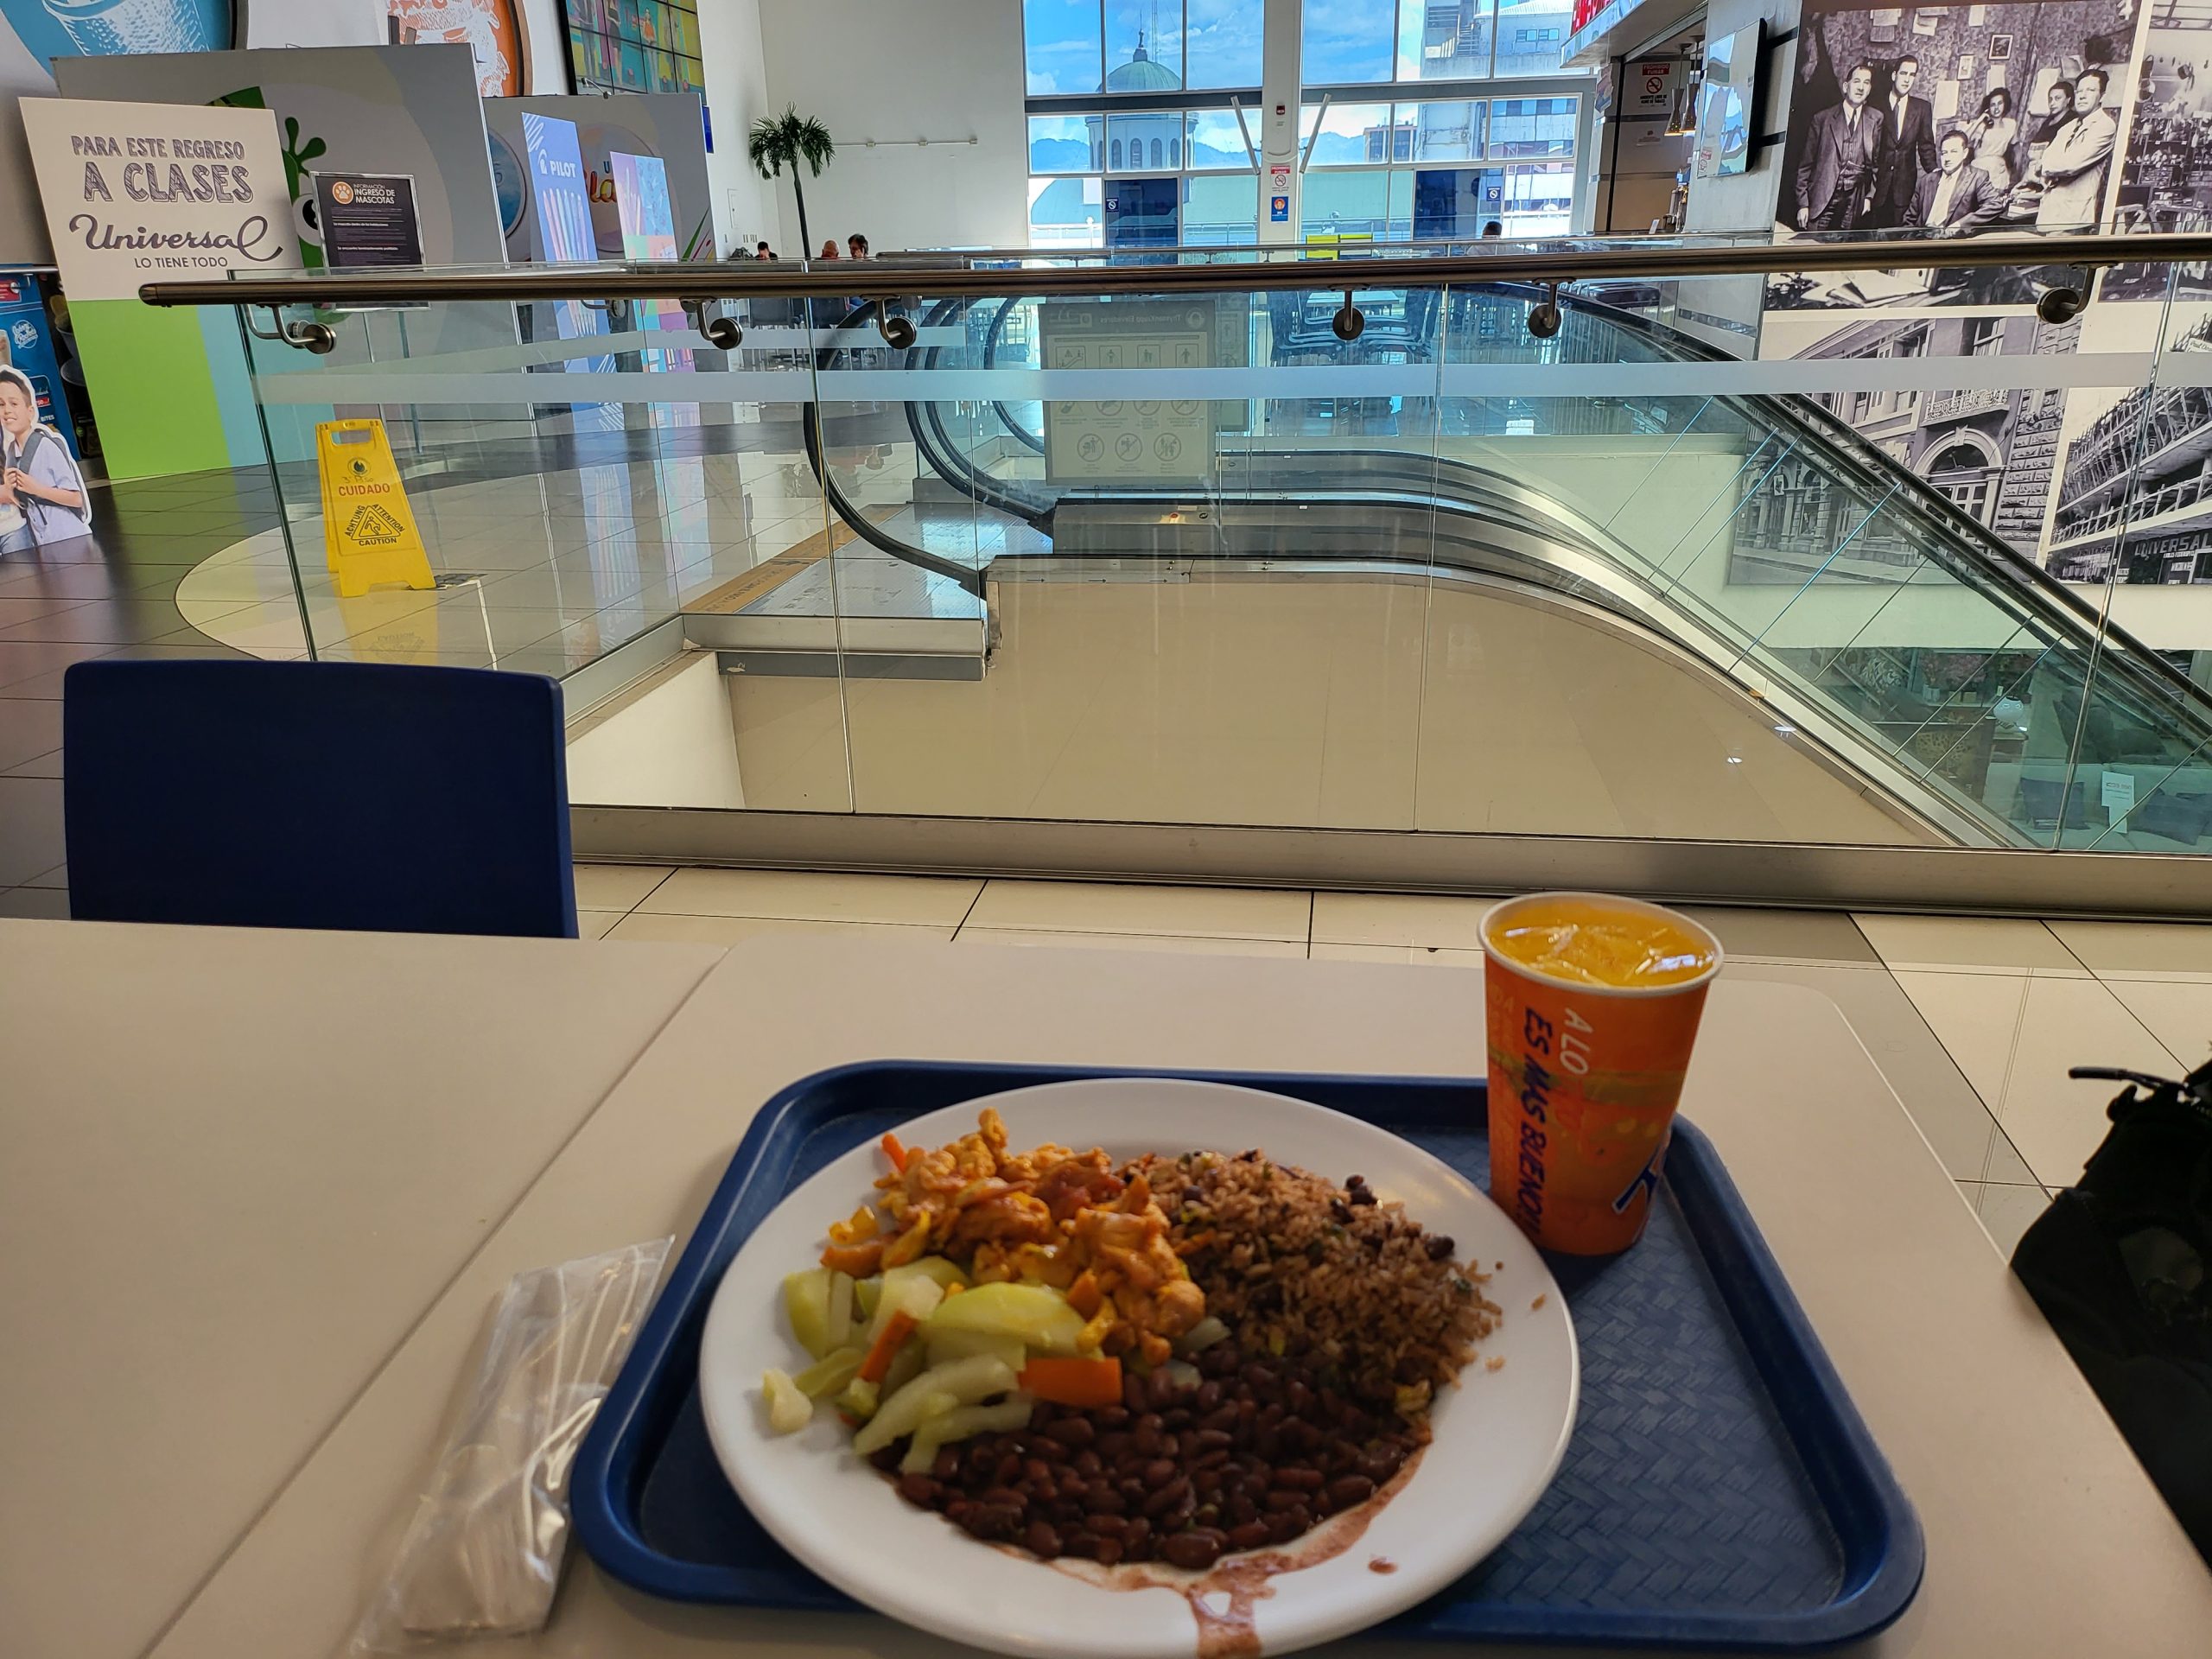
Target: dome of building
[1141,74]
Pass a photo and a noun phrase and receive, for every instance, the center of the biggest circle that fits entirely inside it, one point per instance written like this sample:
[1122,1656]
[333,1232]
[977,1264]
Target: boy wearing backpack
[43,497]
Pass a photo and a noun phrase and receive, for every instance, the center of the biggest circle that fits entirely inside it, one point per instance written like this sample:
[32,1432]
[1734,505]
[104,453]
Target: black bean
[1440,1246]
[1354,1180]
[1359,1196]
[1282,1499]
[1009,1469]
[1075,1432]
[1037,1472]
[1012,1495]
[1110,1525]
[1196,1550]
[1221,1420]
[1348,1489]
[1101,1499]
[1133,1392]
[1212,1458]
[993,1520]
[1065,1515]
[1249,1534]
[1079,1543]
[1164,1501]
[1107,1552]
[1148,1441]
[1088,1464]
[1042,1539]
[1341,1211]
[885,1459]
[1136,1537]
[1160,1387]
[1282,1526]
[1158,1472]
[1115,1444]
[1208,1397]
[1210,1439]
[1176,1419]
[1113,1417]
[1070,1485]
[1241,1508]
[919,1488]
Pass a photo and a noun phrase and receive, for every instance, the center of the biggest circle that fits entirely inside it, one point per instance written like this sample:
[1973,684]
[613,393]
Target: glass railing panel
[1176,631]
[2133,511]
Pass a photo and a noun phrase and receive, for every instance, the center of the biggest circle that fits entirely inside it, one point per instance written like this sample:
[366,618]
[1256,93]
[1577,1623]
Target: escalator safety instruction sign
[1143,436]
[368,529]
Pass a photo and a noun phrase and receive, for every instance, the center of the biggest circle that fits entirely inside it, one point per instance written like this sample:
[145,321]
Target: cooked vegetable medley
[1036,1346]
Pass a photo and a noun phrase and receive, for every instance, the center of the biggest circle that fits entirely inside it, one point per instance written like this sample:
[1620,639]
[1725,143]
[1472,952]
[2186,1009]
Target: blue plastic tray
[1719,1491]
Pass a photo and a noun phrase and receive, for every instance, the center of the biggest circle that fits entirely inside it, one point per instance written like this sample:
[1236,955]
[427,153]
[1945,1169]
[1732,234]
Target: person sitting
[856,246]
[1491,227]
[762,251]
[829,248]
[1955,199]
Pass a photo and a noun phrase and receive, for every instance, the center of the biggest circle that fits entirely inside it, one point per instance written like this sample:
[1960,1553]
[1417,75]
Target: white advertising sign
[1650,85]
[140,193]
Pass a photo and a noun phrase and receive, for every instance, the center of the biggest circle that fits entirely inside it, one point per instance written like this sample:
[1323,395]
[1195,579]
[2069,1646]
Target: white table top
[235,1168]
[2044,1538]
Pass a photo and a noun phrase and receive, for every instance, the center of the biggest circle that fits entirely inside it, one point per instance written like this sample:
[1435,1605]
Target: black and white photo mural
[1950,121]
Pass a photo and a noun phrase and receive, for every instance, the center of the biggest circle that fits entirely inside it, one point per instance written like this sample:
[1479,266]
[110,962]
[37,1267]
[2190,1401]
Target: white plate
[1498,1437]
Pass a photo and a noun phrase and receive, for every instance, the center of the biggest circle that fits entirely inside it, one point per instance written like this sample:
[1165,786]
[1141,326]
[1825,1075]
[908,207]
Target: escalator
[1902,641]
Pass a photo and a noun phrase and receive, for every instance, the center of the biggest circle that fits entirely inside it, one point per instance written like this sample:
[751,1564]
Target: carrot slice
[1081,1382]
[896,1330]
[897,1153]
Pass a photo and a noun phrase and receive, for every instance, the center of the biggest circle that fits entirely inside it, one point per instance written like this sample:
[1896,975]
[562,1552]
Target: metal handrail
[869,279]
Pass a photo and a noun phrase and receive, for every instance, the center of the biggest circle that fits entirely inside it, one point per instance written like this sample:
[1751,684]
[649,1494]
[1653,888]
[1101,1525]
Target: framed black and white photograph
[2000,48]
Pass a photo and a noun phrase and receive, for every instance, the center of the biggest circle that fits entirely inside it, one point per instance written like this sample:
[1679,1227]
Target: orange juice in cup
[1594,1005]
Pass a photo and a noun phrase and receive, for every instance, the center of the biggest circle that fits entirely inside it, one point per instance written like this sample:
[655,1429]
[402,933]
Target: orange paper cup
[1584,1078]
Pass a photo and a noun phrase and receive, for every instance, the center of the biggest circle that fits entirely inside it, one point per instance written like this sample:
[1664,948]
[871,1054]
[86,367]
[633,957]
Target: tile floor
[1973,1021]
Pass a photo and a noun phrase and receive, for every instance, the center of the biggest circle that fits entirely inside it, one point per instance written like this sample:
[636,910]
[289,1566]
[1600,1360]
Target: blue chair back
[345,795]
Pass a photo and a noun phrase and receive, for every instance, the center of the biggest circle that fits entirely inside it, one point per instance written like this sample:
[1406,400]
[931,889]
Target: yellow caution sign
[368,529]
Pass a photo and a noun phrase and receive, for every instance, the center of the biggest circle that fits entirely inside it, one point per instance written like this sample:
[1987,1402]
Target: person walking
[1907,152]
[42,495]
[1837,171]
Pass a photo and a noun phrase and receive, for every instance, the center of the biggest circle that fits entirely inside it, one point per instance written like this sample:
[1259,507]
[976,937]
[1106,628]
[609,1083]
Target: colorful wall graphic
[32,32]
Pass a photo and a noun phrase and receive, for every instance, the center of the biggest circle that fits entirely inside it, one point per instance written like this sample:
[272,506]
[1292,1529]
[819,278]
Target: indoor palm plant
[781,141]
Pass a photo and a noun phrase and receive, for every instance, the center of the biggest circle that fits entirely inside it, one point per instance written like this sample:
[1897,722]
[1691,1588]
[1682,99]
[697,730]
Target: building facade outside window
[1389,168]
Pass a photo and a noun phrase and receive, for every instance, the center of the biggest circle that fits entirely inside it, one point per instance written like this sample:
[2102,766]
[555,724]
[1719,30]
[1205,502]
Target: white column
[1276,134]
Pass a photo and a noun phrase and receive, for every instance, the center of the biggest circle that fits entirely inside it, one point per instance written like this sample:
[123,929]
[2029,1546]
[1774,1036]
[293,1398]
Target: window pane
[1444,39]
[1060,45]
[1445,132]
[1221,211]
[1065,143]
[1452,204]
[1348,40]
[1145,143]
[1352,135]
[1532,127]
[1066,214]
[1531,34]
[1137,59]
[1221,42]
[1355,203]
[1539,199]
[1216,140]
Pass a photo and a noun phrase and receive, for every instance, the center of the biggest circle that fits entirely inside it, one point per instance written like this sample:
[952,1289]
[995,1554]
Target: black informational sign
[368,219]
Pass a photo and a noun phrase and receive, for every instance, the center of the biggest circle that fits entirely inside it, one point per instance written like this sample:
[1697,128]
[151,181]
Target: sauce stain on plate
[1223,1597]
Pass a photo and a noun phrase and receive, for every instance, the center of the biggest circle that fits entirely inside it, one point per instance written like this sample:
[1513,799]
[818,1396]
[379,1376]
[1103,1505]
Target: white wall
[934,69]
[729,41]
[672,746]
